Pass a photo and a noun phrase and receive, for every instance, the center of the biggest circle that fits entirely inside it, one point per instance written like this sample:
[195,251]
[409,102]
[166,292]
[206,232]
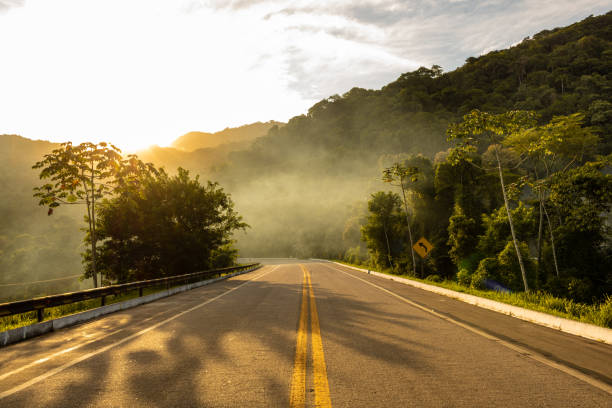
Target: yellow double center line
[297,397]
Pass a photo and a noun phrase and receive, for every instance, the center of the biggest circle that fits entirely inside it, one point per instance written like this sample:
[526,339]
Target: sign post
[422,247]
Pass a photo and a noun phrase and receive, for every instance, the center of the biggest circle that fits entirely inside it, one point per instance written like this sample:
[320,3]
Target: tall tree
[380,230]
[81,174]
[401,176]
[553,148]
[482,129]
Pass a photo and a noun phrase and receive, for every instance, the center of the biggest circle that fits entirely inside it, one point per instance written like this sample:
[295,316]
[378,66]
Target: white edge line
[574,327]
[119,342]
[528,353]
[69,349]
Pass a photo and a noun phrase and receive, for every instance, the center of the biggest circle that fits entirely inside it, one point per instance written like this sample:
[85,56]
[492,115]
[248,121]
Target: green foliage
[470,263]
[497,231]
[488,268]
[580,201]
[383,232]
[355,255]
[433,278]
[464,277]
[503,269]
[561,141]
[80,174]
[164,226]
[603,316]
[462,235]
[509,272]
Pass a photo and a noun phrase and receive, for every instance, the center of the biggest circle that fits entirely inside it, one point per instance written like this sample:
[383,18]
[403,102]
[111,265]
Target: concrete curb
[36,329]
[574,327]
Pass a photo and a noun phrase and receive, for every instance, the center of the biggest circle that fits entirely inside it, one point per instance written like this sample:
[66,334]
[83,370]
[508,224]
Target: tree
[554,148]
[160,225]
[383,215]
[380,228]
[481,128]
[582,200]
[401,176]
[462,235]
[80,174]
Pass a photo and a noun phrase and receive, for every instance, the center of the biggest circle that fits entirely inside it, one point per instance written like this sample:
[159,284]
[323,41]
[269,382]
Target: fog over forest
[303,187]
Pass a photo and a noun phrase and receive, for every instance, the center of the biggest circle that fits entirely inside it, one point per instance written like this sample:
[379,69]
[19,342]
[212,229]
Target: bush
[509,268]
[580,289]
[464,277]
[554,303]
[603,316]
[470,262]
[488,269]
[575,309]
[433,278]
[224,256]
[556,286]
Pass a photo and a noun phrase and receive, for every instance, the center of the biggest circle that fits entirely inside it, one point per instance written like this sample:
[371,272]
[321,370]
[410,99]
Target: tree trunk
[95,277]
[541,222]
[88,203]
[388,247]
[408,223]
[93,228]
[514,240]
[552,242]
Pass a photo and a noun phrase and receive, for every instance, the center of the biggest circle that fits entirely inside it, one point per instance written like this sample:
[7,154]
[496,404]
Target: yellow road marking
[321,385]
[297,396]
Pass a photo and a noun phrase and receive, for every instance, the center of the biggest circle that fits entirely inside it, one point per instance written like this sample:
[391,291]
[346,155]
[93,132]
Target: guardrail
[39,304]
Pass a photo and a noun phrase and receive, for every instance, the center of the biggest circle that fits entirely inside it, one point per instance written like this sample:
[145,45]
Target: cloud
[166,66]
[6,5]
[424,32]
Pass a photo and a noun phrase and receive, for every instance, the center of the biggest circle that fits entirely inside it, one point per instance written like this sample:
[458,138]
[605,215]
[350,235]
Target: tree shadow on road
[238,349]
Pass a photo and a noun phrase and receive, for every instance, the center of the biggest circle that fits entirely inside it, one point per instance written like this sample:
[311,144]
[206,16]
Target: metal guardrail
[40,303]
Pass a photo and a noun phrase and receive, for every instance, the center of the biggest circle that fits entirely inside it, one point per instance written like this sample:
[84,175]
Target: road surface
[299,333]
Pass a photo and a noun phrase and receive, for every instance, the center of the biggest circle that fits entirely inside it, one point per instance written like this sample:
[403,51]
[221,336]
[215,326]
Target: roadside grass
[598,314]
[28,318]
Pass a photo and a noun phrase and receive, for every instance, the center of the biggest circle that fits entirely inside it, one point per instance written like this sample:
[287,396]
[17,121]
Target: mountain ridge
[244,134]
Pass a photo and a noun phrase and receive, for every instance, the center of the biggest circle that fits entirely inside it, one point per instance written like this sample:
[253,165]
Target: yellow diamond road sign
[422,247]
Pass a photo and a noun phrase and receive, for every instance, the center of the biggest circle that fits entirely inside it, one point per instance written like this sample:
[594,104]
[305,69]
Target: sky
[143,72]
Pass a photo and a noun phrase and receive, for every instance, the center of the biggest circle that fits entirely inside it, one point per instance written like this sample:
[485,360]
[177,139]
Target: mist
[33,246]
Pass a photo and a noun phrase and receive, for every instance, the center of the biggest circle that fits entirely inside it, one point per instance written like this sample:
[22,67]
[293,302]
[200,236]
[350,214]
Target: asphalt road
[305,334]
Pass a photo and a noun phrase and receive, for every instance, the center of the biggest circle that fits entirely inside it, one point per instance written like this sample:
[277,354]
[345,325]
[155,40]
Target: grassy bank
[600,314]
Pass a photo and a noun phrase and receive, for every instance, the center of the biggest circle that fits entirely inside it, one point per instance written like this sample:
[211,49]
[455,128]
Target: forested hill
[555,72]
[241,135]
[309,173]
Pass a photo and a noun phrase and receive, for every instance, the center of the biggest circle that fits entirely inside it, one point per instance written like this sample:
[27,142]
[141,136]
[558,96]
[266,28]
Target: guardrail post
[39,314]
[140,292]
[103,301]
